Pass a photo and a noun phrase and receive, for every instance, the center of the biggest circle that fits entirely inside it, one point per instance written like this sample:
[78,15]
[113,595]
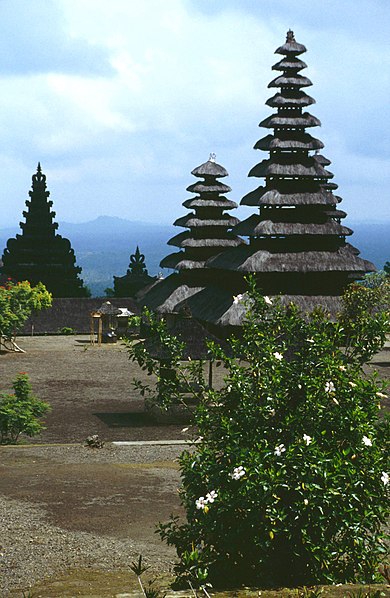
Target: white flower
[352,384]
[335,401]
[306,502]
[385,478]
[267,300]
[279,450]
[329,387]
[366,441]
[201,502]
[278,356]
[238,472]
[310,340]
[211,496]
[307,439]
[381,395]
[272,412]
[185,430]
[342,368]
[237,299]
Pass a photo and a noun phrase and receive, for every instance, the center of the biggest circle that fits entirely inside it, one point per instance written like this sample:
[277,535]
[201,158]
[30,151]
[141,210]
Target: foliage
[175,379]
[386,268]
[20,412]
[148,591]
[365,317]
[17,302]
[67,331]
[109,292]
[289,484]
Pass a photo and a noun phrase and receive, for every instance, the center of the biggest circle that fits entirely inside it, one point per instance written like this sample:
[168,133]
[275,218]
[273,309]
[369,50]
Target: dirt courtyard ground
[77,516]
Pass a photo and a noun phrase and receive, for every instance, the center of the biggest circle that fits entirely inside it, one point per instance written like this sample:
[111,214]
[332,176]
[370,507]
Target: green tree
[289,483]
[20,412]
[17,302]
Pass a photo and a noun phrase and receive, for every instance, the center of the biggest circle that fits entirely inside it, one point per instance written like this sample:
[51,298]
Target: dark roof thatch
[246,259]
[290,81]
[255,226]
[203,187]
[298,166]
[291,47]
[291,62]
[185,239]
[279,120]
[300,98]
[163,296]
[200,202]
[210,169]
[181,261]
[191,221]
[301,141]
[264,196]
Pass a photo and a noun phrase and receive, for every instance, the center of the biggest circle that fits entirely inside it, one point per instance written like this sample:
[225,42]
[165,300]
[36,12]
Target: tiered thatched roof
[297,230]
[209,226]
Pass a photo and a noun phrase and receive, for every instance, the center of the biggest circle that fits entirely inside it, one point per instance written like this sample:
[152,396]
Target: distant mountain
[103,246]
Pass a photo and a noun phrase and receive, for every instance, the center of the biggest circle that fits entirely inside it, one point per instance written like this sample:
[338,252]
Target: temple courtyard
[74,516]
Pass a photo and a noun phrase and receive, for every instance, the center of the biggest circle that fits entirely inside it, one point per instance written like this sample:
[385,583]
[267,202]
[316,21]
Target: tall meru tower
[39,254]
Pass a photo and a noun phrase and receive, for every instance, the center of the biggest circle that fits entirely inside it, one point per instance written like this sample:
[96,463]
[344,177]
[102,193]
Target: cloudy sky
[120,99]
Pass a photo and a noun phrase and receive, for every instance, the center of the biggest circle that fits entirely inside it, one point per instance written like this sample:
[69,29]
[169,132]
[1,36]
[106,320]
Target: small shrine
[112,323]
[135,279]
[39,254]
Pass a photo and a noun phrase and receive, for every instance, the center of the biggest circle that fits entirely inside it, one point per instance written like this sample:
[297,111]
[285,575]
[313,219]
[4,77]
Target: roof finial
[290,36]
[39,169]
[212,157]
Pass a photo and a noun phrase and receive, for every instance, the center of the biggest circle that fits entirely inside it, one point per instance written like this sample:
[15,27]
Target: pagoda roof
[192,221]
[165,294]
[247,259]
[291,47]
[299,141]
[255,226]
[181,261]
[277,121]
[185,239]
[290,165]
[290,81]
[210,169]
[264,196]
[218,202]
[322,160]
[205,187]
[289,63]
[299,99]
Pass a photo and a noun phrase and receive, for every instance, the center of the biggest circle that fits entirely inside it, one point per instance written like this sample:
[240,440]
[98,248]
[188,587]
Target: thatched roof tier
[186,239]
[210,169]
[200,202]
[163,296]
[254,226]
[290,166]
[276,121]
[192,221]
[328,186]
[322,160]
[289,63]
[335,213]
[264,196]
[294,98]
[302,141]
[290,81]
[291,47]
[203,187]
[181,261]
[244,259]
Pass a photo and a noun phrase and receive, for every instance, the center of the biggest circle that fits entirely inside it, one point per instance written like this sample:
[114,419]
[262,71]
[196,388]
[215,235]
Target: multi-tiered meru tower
[39,254]
[297,244]
[209,233]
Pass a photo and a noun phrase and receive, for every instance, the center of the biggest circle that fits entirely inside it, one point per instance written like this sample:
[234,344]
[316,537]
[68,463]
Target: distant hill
[103,246]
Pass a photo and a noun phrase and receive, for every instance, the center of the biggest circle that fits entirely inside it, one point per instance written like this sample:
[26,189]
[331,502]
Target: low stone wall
[72,313]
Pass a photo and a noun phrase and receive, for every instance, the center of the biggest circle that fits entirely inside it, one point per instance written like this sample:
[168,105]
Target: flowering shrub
[289,484]
[17,302]
[20,412]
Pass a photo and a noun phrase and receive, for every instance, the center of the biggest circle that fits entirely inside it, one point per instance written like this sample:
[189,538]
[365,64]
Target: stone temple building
[39,254]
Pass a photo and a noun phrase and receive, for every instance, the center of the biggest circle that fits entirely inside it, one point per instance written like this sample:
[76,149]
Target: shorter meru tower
[39,254]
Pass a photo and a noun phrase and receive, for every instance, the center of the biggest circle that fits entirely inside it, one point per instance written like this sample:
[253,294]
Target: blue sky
[120,99]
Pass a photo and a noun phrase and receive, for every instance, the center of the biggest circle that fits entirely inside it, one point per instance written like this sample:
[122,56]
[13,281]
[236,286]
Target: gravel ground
[103,529]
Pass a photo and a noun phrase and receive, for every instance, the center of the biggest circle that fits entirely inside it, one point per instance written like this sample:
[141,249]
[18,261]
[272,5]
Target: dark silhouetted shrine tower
[39,254]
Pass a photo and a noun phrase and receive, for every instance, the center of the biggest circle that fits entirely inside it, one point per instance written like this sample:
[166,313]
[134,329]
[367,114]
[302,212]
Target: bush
[20,412]
[289,484]
[67,331]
